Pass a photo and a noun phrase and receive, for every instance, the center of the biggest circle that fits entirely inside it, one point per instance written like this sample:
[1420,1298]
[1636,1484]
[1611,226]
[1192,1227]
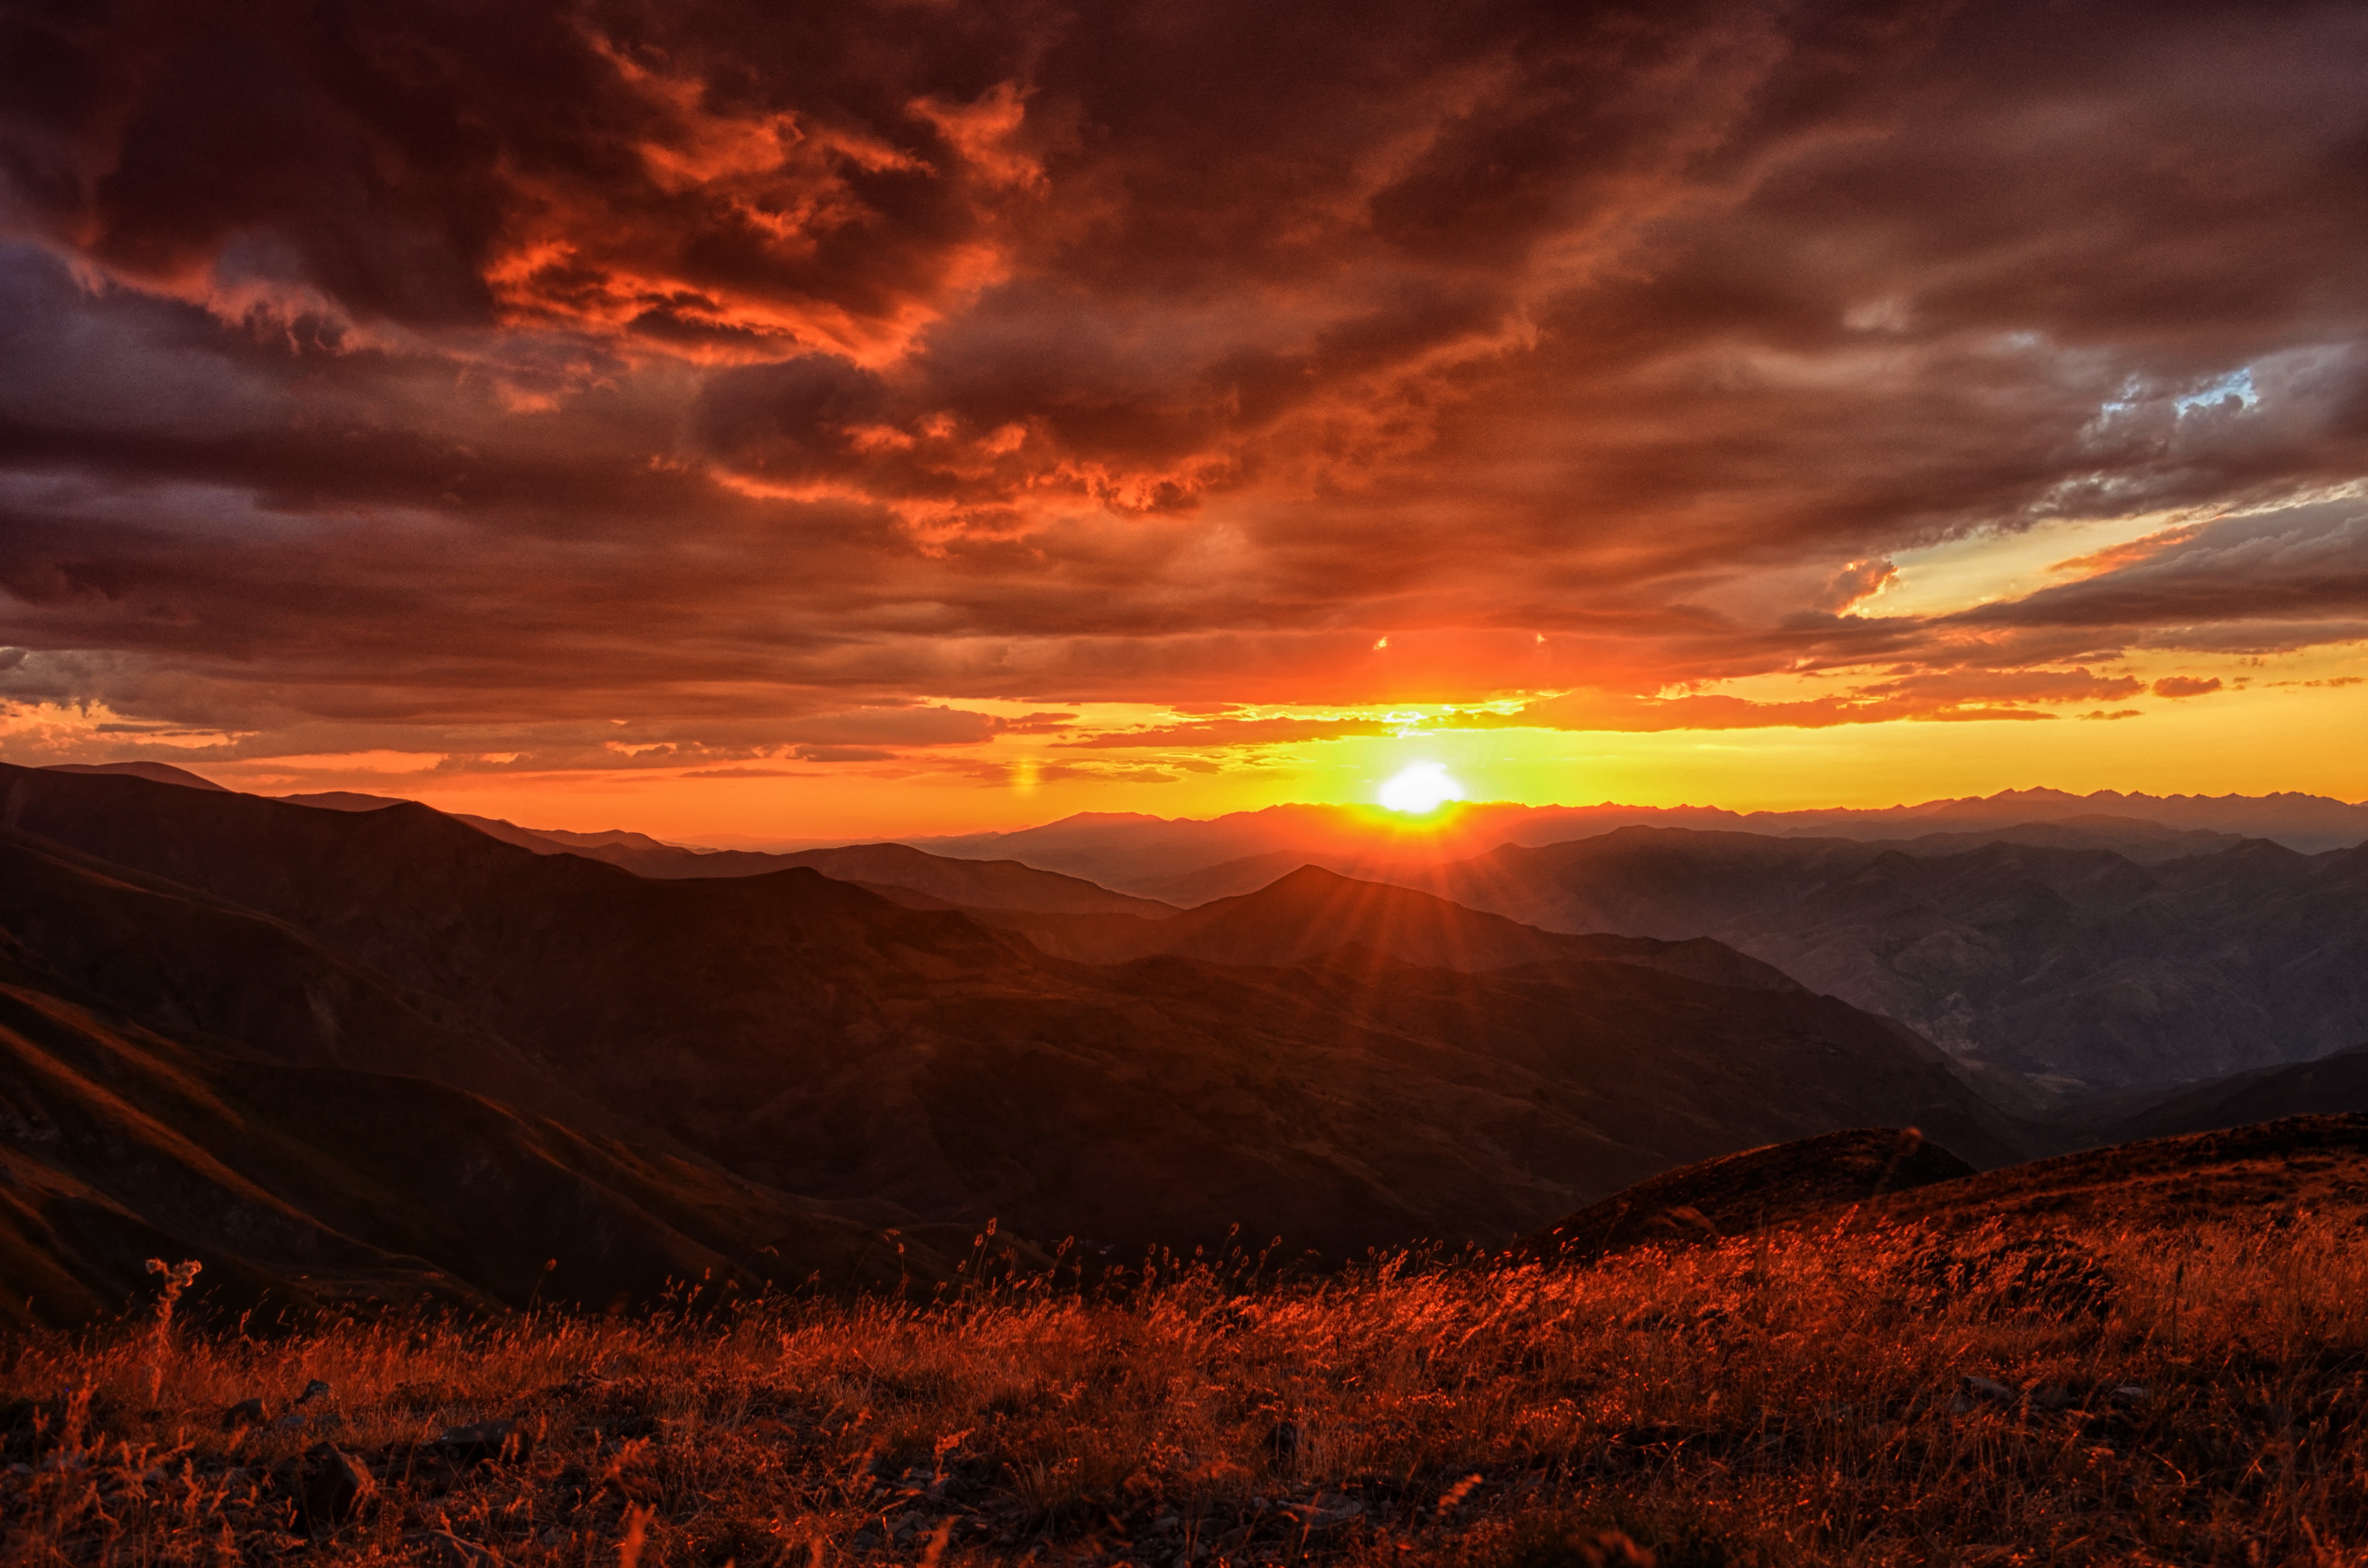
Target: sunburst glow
[1420,787]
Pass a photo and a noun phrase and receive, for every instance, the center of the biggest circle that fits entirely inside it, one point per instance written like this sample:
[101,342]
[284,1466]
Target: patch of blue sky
[2237,383]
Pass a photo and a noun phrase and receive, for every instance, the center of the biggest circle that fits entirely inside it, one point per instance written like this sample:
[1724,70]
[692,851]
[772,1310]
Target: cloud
[457,381]
[2185,686]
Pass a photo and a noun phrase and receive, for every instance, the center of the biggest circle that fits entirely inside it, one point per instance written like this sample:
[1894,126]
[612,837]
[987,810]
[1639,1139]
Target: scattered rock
[2130,1393]
[332,1486]
[315,1390]
[1991,1390]
[487,1441]
[2051,1396]
[1319,1515]
[245,1412]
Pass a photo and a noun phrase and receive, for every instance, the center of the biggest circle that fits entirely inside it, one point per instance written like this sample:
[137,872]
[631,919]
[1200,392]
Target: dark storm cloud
[444,371]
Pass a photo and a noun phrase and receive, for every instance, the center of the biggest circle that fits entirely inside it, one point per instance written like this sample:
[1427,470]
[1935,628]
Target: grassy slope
[1800,1396]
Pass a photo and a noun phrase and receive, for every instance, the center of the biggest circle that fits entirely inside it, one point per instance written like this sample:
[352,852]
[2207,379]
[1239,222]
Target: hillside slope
[854,1057]
[2043,959]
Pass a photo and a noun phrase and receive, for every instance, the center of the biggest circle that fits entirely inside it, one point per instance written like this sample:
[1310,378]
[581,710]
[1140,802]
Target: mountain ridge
[813,1057]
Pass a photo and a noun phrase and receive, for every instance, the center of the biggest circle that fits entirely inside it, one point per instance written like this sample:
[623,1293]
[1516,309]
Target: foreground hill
[1876,1177]
[803,1051]
[1784,1184]
[2046,960]
[2148,1357]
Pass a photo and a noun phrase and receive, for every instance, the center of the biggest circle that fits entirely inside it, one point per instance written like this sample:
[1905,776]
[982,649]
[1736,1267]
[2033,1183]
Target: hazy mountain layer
[1312,911]
[1171,859]
[2046,961]
[2336,1083]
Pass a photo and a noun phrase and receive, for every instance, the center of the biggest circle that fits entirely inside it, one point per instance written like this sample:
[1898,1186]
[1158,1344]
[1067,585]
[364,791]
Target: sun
[1420,787]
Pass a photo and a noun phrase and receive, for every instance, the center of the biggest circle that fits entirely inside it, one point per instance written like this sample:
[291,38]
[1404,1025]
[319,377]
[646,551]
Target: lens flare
[1420,787]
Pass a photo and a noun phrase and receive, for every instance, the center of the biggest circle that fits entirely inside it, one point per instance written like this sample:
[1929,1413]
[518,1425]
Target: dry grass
[1801,1399]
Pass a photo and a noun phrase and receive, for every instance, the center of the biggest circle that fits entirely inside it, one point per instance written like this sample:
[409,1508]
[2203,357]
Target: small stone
[2130,1393]
[2053,1396]
[486,1441]
[315,1390]
[1317,1517]
[1991,1388]
[332,1487]
[245,1412]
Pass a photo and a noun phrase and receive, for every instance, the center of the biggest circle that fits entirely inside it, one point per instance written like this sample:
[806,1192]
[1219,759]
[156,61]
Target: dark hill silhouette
[998,884]
[1783,1184]
[2145,842]
[154,772]
[788,1051]
[1312,911]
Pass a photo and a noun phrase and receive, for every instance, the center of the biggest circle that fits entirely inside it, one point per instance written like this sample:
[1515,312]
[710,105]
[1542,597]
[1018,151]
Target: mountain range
[334,1052]
[1177,860]
[2069,958]
[2053,963]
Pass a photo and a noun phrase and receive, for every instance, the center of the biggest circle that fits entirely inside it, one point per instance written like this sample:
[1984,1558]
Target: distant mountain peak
[154,772]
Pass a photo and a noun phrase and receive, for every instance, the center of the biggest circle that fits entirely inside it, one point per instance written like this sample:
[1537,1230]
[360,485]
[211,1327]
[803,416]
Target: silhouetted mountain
[154,772]
[181,1077]
[1002,884]
[343,800]
[1312,912]
[2071,962]
[1161,859]
[2307,822]
[2146,843]
[772,1060]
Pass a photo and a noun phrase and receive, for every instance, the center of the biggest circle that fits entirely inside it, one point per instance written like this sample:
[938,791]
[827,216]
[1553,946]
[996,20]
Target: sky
[749,422]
